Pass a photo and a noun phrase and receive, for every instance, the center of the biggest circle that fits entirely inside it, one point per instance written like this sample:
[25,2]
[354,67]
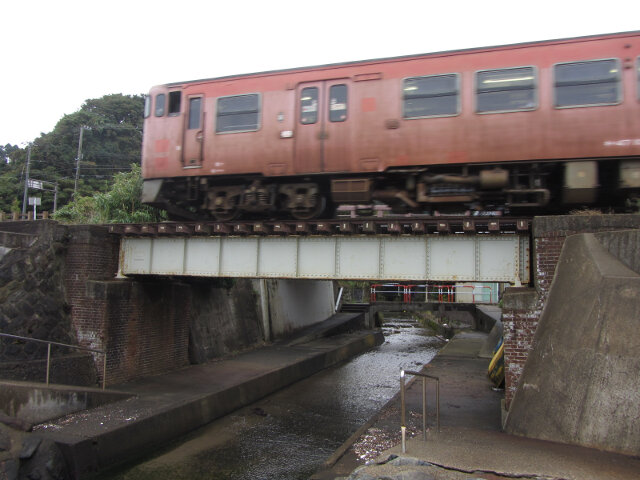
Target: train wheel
[224,203]
[310,212]
[226,215]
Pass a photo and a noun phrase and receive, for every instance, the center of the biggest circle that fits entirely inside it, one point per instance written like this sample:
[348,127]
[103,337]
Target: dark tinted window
[238,114]
[587,83]
[147,106]
[174,103]
[309,105]
[160,99]
[338,103]
[432,96]
[195,104]
[506,90]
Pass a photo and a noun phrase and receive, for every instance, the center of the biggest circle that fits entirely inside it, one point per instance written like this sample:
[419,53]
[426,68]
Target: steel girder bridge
[458,249]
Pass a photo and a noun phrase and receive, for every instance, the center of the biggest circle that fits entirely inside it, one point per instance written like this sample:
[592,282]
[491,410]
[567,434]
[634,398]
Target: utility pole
[75,187]
[26,183]
[55,198]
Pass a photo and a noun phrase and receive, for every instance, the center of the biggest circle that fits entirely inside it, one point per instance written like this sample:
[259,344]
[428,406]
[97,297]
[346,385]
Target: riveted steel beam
[477,258]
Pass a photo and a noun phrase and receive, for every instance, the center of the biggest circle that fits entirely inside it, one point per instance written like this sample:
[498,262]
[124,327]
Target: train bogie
[545,125]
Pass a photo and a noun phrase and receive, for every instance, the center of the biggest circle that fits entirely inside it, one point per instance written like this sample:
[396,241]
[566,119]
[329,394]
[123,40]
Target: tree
[121,204]
[112,139]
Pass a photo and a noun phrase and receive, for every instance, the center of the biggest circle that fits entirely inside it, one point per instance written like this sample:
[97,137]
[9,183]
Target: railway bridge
[151,322]
[141,291]
[434,249]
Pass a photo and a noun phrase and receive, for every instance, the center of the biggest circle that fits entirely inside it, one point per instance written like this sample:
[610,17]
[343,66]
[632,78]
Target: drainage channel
[288,435]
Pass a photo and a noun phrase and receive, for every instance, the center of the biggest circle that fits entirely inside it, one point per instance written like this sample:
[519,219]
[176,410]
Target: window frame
[346,103]
[259,112]
[458,77]
[168,104]
[318,106]
[148,106]
[164,105]
[536,90]
[190,116]
[619,84]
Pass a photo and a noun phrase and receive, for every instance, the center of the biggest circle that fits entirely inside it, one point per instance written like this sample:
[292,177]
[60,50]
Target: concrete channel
[165,407]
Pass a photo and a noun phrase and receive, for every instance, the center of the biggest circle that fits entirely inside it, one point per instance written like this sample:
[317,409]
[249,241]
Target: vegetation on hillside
[111,143]
[120,204]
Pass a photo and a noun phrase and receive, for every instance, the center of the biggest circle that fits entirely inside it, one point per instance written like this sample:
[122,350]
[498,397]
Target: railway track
[414,225]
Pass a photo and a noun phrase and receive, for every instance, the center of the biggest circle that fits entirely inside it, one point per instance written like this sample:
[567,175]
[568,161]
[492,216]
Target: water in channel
[289,434]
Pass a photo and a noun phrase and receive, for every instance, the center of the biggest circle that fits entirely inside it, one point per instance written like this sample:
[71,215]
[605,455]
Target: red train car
[529,126]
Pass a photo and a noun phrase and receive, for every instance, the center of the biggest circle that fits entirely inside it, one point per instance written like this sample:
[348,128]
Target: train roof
[412,56]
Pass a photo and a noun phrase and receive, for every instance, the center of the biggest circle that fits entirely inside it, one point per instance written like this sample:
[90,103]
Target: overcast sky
[57,54]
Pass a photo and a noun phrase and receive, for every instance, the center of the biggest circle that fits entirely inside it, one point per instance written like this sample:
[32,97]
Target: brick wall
[522,308]
[520,314]
[92,254]
[146,326]
[143,325]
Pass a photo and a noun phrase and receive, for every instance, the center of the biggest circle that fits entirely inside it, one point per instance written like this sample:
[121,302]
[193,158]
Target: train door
[323,127]
[193,144]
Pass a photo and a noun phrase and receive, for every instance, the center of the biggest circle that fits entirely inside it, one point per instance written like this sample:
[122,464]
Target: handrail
[335,310]
[49,343]
[403,428]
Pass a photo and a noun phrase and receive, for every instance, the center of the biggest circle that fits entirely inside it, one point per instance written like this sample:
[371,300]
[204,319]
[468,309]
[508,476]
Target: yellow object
[496,367]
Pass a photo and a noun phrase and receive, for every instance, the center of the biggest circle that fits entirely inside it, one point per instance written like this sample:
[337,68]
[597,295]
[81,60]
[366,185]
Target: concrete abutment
[570,340]
[147,325]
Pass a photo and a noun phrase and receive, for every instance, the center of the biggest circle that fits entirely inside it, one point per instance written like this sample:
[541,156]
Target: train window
[338,103]
[195,105]
[240,113]
[174,103]
[431,96]
[581,84]
[160,99]
[638,77]
[506,90]
[147,106]
[309,105]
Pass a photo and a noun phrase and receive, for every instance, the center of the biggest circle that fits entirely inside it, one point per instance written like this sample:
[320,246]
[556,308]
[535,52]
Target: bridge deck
[431,257]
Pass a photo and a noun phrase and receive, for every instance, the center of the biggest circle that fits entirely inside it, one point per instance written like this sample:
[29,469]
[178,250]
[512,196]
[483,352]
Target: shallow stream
[289,434]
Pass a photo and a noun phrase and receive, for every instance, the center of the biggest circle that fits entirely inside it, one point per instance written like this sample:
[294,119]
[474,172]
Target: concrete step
[355,307]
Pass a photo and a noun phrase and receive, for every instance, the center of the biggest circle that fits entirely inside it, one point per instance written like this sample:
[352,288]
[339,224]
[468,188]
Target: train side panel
[359,121]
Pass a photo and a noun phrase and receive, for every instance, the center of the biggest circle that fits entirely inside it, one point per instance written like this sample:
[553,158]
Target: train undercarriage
[545,187]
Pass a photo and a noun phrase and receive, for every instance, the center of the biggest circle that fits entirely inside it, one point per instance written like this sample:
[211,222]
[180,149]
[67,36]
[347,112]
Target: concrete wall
[295,304]
[35,404]
[580,382]
[521,321]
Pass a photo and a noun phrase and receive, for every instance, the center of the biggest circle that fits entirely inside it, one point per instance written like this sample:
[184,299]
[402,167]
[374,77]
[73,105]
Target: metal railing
[433,293]
[49,344]
[17,217]
[403,428]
